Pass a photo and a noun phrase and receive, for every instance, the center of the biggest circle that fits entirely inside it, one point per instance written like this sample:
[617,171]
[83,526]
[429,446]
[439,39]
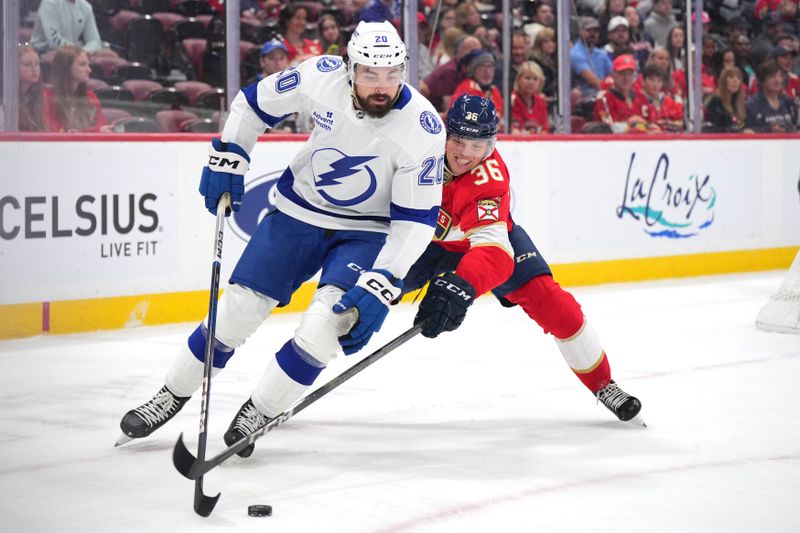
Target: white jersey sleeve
[264,104]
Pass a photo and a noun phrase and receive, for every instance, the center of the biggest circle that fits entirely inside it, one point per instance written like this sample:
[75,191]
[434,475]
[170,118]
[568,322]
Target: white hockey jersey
[355,172]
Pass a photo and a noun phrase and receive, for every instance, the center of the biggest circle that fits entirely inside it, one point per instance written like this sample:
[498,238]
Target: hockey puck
[259,510]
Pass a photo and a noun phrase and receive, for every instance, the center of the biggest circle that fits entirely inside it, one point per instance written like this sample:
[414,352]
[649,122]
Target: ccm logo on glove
[381,290]
[455,289]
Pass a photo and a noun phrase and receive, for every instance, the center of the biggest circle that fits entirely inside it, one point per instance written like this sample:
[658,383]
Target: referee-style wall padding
[112,233]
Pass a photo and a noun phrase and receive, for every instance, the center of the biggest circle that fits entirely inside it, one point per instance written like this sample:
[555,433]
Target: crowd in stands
[158,65]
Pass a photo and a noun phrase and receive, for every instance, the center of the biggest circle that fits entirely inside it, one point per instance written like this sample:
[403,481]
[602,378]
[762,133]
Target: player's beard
[375,107]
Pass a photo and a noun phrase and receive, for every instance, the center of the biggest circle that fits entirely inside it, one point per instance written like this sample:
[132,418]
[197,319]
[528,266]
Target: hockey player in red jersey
[478,248]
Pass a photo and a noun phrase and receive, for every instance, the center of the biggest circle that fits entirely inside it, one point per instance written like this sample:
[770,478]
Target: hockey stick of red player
[196,467]
[203,505]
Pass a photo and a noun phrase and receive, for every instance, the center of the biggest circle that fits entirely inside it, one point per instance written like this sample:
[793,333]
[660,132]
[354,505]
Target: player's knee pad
[320,328]
[583,351]
[553,308]
[239,314]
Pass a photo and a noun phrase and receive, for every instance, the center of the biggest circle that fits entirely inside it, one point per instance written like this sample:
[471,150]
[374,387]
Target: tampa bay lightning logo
[328,64]
[342,179]
[259,199]
[430,122]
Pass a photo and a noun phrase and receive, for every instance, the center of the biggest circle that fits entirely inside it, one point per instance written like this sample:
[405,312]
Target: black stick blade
[203,505]
[183,459]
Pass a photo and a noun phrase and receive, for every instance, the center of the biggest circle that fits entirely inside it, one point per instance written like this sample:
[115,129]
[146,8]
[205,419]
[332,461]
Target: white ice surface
[483,430]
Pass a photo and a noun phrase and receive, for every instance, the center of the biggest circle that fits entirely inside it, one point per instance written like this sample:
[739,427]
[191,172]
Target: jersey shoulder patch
[329,63]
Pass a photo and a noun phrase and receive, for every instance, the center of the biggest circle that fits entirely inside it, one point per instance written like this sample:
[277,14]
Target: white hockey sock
[186,373]
[276,391]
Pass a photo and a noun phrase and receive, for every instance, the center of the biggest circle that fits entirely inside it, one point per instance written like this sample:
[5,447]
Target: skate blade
[122,439]
[637,421]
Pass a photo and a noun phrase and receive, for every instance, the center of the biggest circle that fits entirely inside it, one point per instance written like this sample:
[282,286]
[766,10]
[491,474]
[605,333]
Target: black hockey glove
[445,304]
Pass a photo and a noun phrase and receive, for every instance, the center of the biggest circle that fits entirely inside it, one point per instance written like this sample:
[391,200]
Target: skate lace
[159,408]
[612,396]
[249,420]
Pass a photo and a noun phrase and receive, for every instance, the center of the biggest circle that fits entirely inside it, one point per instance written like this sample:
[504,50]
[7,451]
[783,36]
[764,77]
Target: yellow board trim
[73,316]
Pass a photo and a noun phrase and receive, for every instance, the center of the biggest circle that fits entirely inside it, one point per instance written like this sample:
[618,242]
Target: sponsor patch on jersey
[323,120]
[489,209]
[443,223]
[328,64]
[430,122]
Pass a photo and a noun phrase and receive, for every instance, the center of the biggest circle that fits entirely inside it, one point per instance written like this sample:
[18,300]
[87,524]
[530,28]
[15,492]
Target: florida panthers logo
[342,179]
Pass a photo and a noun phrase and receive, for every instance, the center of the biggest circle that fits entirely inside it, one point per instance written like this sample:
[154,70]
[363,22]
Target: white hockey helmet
[376,44]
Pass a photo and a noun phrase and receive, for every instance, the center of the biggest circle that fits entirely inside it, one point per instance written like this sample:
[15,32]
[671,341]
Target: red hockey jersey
[475,219]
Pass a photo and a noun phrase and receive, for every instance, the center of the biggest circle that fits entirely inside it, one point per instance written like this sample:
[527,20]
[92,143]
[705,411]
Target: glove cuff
[377,283]
[228,157]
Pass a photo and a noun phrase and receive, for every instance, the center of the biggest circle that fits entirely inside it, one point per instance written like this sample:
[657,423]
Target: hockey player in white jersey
[359,201]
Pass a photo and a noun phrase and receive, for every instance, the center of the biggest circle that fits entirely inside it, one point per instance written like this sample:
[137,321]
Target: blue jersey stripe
[421,216]
[250,93]
[285,184]
[403,99]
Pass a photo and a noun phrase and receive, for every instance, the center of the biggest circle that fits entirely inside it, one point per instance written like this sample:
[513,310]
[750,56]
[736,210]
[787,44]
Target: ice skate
[622,404]
[246,421]
[148,417]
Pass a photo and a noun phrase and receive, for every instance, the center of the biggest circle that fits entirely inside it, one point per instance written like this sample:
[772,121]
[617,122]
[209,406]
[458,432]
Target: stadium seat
[169,96]
[192,8]
[190,28]
[114,96]
[94,83]
[113,114]
[267,32]
[131,71]
[141,88]
[192,89]
[194,50]
[143,37]
[200,125]
[576,123]
[121,19]
[245,47]
[106,65]
[136,125]
[170,120]
[210,99]
[167,19]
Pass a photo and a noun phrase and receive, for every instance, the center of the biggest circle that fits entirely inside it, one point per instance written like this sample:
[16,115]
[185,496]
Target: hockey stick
[203,505]
[195,467]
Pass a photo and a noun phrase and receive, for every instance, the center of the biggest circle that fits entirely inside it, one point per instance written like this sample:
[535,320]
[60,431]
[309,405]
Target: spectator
[741,48]
[792,44]
[65,22]
[447,46]
[424,62]
[676,39]
[791,86]
[589,63]
[725,111]
[709,53]
[438,87]
[544,54]
[528,104]
[618,37]
[612,10]
[763,43]
[620,107]
[377,11]
[660,58]
[446,21]
[723,58]
[663,112]
[770,110]
[480,69]
[543,17]
[30,90]
[660,21]
[330,35]
[468,18]
[274,58]
[69,106]
[640,41]
[520,52]
[292,21]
